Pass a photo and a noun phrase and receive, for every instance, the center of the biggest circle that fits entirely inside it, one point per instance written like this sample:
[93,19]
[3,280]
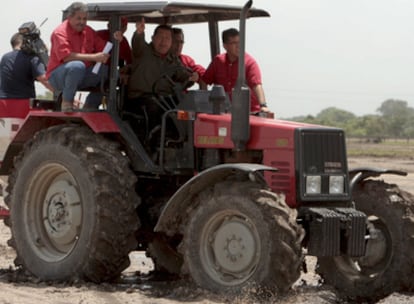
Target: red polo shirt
[124,47]
[223,72]
[66,40]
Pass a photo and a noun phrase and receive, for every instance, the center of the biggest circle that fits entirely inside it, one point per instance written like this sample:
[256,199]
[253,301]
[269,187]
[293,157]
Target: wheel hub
[58,214]
[376,250]
[377,254]
[62,214]
[234,246]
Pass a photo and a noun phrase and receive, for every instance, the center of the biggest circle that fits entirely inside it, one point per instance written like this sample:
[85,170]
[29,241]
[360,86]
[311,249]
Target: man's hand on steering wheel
[186,76]
[194,77]
[179,77]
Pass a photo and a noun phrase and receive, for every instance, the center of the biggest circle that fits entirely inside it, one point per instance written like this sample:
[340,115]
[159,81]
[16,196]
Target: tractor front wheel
[385,264]
[240,235]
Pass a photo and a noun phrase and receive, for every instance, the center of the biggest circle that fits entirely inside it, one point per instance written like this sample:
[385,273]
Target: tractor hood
[214,131]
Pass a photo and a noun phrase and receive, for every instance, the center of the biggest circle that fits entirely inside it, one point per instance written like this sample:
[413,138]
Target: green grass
[393,148]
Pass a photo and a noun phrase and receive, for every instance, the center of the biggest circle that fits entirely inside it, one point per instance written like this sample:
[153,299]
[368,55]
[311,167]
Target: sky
[313,54]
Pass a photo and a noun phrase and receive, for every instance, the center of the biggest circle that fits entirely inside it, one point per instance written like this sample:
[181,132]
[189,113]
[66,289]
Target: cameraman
[19,70]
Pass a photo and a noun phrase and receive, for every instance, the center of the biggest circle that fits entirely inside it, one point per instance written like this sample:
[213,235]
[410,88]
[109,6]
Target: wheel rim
[53,212]
[230,248]
[377,256]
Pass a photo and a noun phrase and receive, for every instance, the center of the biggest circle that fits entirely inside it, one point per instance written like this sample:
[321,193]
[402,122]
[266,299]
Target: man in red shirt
[187,61]
[125,55]
[223,70]
[75,49]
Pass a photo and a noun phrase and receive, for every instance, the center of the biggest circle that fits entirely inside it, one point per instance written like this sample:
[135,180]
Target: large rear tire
[73,206]
[385,265]
[239,236]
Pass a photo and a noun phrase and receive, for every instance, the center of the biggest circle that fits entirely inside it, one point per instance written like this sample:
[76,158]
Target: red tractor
[213,193]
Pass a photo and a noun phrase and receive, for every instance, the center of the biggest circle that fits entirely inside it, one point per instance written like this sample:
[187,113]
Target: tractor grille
[321,152]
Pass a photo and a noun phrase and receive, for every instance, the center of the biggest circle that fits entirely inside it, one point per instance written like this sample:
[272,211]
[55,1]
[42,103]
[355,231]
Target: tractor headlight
[336,184]
[313,184]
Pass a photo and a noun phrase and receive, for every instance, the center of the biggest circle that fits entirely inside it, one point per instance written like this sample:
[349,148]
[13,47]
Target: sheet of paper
[106,50]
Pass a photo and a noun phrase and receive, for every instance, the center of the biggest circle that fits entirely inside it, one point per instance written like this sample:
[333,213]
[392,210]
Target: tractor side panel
[12,115]
[274,138]
[213,131]
[283,180]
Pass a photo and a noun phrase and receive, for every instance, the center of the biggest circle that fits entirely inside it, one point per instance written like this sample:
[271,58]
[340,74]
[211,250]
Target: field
[395,154]
[137,287]
[391,148]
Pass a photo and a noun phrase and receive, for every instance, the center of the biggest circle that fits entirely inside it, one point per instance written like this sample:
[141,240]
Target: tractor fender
[173,212]
[359,174]
[99,122]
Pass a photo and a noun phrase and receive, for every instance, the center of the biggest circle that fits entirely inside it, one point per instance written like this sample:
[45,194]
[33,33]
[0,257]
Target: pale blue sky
[314,54]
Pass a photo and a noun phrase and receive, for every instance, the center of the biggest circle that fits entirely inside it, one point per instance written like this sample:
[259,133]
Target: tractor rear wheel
[73,206]
[385,264]
[242,236]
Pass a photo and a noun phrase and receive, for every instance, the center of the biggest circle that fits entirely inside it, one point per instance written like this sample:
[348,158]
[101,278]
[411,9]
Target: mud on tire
[384,269]
[72,204]
[242,236]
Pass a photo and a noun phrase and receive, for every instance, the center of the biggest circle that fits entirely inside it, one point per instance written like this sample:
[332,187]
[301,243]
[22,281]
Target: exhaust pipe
[240,110]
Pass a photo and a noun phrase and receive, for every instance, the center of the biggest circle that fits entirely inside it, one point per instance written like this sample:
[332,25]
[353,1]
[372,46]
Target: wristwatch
[263,105]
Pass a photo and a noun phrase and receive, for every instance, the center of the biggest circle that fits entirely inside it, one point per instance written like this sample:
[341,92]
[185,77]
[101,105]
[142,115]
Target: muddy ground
[137,285]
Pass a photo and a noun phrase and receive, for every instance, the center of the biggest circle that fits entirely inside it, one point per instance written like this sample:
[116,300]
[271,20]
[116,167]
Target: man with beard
[153,66]
[75,49]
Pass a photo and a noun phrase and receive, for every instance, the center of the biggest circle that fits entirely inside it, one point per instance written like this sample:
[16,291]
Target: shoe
[67,107]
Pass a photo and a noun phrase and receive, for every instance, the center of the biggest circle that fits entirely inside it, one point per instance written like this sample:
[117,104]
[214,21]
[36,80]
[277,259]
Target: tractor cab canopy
[163,12]
[172,13]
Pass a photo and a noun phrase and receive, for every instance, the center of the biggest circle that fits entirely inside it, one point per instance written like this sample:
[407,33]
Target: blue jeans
[73,76]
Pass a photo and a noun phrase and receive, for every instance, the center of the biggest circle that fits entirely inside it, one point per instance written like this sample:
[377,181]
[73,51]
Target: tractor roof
[164,12]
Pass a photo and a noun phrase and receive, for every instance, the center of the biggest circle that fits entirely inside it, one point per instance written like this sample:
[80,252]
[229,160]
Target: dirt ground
[137,286]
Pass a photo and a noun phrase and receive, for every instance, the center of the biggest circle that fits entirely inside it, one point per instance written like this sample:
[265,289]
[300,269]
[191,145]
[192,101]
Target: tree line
[395,120]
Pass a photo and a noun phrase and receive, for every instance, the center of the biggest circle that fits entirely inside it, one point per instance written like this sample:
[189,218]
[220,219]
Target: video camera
[32,43]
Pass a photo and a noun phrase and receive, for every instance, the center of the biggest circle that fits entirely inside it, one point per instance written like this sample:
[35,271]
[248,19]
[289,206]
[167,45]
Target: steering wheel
[170,75]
